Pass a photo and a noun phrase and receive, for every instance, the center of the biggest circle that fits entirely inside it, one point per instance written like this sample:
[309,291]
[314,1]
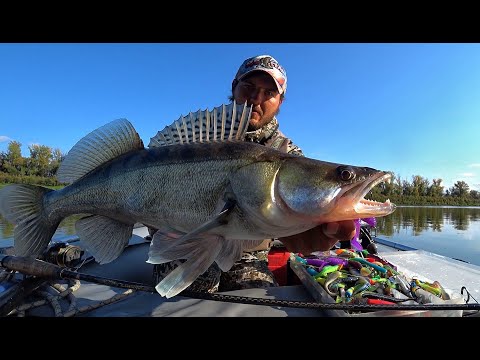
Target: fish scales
[209,199]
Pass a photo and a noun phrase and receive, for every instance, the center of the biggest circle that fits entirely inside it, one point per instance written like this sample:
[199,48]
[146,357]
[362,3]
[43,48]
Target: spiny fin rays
[223,123]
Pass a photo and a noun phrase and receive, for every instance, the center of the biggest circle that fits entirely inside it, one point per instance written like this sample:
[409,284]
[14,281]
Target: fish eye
[346,173]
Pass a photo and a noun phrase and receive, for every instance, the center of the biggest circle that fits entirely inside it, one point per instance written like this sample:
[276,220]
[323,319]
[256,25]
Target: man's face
[259,90]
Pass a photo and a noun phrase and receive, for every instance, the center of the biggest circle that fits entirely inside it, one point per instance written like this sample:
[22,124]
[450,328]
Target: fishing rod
[42,269]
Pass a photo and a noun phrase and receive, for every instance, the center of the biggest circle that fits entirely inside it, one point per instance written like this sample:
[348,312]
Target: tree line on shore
[42,164]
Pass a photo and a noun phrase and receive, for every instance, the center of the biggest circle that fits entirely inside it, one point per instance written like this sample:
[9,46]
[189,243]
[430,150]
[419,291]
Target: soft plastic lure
[354,242]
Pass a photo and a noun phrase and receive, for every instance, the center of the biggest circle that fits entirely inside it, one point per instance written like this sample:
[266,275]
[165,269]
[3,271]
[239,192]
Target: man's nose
[256,96]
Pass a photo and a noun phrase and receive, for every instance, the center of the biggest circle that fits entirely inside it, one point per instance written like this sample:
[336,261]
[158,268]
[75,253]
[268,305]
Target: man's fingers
[320,238]
[341,230]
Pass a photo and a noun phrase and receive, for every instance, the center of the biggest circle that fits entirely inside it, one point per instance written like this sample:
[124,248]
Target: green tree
[436,189]
[397,185]
[39,161]
[13,161]
[419,185]
[3,158]
[57,158]
[407,188]
[474,194]
[460,189]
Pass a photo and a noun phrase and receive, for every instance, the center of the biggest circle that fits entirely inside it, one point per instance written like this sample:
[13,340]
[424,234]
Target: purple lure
[354,242]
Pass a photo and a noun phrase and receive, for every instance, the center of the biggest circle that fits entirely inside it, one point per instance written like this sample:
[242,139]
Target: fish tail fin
[22,205]
[200,253]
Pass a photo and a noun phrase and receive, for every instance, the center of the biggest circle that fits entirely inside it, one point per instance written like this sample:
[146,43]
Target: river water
[445,230]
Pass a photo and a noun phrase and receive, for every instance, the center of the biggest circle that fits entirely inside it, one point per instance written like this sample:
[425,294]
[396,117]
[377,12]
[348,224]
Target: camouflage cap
[268,64]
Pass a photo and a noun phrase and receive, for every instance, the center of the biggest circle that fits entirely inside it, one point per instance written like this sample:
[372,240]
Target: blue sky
[413,109]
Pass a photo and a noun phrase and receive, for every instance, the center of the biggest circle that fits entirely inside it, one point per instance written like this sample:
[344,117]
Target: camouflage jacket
[270,135]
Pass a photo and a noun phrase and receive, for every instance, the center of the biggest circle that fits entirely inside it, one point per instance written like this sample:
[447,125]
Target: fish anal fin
[103,237]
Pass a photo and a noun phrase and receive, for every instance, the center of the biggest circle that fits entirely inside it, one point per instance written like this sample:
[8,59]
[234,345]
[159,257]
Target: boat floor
[452,274]
[131,266]
[96,300]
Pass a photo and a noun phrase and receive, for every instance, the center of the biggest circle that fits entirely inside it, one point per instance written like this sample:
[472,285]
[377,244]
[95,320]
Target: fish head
[329,191]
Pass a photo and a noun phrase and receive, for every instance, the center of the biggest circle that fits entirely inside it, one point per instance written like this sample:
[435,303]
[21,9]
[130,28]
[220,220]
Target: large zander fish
[211,194]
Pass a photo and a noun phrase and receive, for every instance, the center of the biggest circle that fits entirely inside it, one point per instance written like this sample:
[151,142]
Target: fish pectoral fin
[180,243]
[200,253]
[104,238]
[199,249]
[218,220]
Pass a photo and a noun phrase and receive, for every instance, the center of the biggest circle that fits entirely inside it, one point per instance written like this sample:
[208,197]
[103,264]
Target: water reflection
[448,231]
[66,227]
[427,218]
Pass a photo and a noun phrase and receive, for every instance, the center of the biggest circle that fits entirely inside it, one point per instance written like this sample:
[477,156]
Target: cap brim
[279,87]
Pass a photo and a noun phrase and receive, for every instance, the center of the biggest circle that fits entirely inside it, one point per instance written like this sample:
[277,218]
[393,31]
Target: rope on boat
[99,304]
[48,270]
[48,298]
[4,275]
[64,293]
[50,292]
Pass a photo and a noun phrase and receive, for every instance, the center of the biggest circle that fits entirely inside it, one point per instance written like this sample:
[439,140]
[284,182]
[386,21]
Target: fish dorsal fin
[223,123]
[116,138]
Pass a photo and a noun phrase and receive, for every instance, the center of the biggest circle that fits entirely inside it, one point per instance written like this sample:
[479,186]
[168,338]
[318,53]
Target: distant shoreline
[396,203]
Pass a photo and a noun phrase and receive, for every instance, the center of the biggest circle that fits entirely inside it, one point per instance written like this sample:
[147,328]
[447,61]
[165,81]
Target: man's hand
[320,238]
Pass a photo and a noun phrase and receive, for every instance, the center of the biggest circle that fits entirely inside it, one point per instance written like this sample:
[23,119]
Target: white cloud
[474,165]
[467,174]
[4,138]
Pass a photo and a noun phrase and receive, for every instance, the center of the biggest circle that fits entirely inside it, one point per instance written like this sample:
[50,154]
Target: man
[262,82]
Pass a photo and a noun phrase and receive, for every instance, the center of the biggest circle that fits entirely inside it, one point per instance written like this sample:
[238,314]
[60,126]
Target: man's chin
[255,122]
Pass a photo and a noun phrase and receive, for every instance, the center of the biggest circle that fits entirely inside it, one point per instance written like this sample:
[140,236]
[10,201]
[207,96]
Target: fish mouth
[364,207]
